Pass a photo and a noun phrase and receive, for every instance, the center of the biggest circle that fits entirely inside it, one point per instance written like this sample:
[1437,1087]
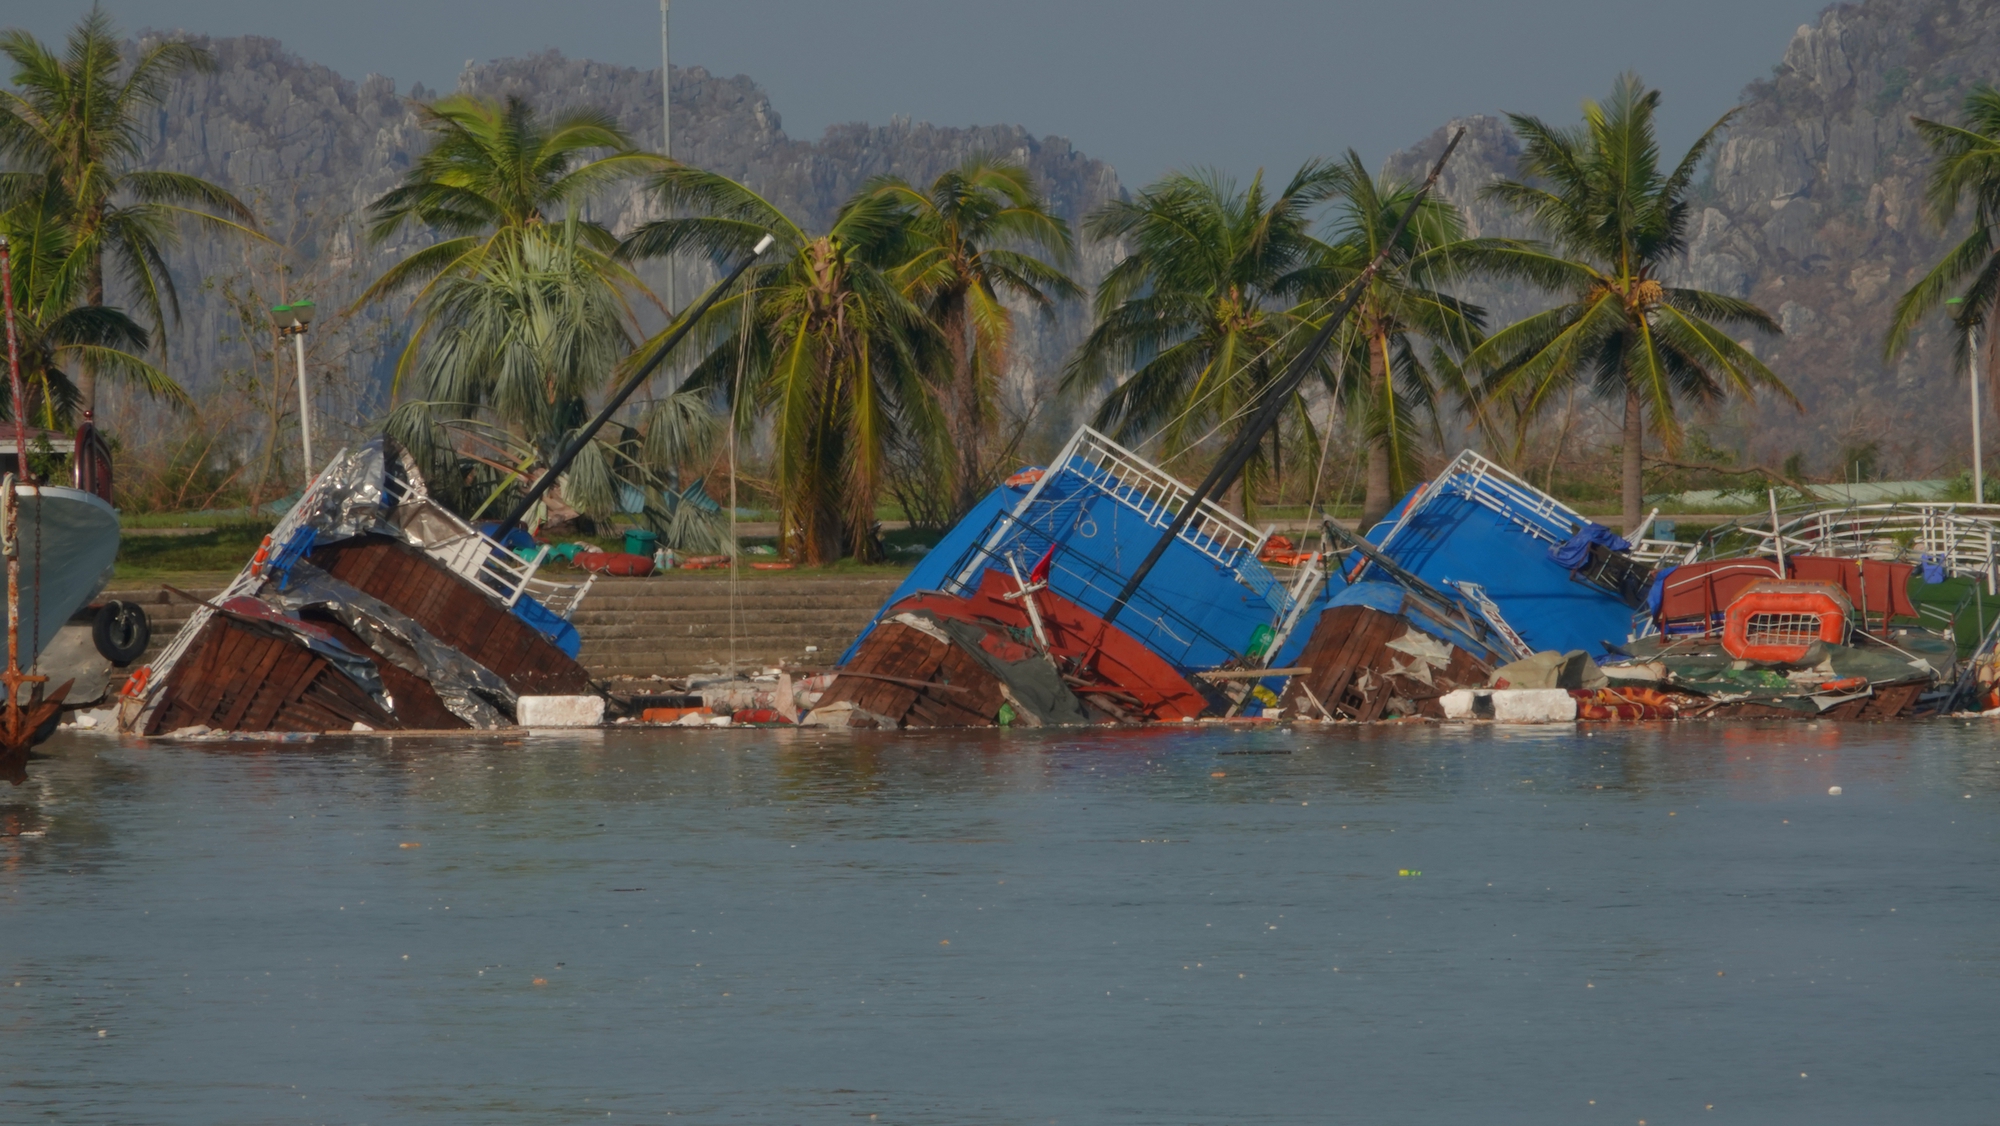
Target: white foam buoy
[559,711]
[1833,791]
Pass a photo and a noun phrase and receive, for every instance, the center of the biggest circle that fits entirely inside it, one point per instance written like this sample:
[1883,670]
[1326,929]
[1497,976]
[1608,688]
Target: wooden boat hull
[69,542]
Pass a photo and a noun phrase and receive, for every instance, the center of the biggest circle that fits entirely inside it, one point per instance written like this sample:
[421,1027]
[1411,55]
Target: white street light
[292,321]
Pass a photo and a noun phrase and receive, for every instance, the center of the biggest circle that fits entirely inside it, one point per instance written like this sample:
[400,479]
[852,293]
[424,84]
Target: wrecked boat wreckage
[369,606]
[1478,597]
[1102,587]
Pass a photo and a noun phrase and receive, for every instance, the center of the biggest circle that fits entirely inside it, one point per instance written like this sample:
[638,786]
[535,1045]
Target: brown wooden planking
[417,703]
[244,679]
[1349,641]
[265,694]
[892,649]
[455,612]
[897,650]
[244,683]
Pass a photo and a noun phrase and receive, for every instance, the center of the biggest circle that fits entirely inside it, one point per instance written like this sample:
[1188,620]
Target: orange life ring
[135,685]
[1778,620]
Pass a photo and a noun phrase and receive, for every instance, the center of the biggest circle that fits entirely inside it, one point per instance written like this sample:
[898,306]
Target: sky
[1149,85]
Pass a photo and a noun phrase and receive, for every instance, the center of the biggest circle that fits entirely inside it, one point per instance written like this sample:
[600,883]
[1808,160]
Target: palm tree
[1191,324]
[503,379]
[78,121]
[819,336]
[1968,164]
[494,172]
[1615,223]
[961,238]
[57,330]
[1401,309]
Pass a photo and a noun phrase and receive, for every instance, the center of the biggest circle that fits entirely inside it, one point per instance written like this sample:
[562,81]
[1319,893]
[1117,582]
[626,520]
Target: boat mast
[17,726]
[687,321]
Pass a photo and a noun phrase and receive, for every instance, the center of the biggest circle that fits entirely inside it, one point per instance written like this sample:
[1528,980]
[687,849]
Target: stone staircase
[670,625]
[674,625]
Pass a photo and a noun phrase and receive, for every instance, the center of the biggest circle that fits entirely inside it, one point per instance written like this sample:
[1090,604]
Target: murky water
[1157,927]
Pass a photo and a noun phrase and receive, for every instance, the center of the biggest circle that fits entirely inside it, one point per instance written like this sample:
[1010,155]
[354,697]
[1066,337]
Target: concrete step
[670,625]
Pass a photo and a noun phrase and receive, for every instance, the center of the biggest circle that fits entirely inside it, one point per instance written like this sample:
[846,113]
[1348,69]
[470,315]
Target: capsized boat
[369,604]
[1045,555]
[1536,567]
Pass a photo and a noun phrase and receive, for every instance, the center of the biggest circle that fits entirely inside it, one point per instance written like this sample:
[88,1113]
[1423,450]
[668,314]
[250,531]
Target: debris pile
[1478,597]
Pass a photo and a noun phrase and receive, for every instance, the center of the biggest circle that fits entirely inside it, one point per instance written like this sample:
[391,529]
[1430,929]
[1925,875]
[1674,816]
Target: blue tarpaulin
[550,625]
[1574,552]
[1656,595]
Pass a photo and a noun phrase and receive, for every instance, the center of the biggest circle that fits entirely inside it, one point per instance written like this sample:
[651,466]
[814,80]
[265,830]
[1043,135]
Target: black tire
[121,632]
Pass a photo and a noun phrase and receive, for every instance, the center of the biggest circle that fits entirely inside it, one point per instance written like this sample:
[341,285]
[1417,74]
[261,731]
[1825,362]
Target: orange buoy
[1779,619]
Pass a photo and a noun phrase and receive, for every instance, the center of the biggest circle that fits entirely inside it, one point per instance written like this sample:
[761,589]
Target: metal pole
[666,120]
[1978,452]
[305,402]
[575,446]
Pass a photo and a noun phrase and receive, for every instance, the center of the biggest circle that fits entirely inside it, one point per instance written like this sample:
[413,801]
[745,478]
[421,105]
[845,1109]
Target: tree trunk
[86,376]
[1632,487]
[1376,501]
[964,407]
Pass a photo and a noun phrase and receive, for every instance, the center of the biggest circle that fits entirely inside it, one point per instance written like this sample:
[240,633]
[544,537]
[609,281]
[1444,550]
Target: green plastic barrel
[639,541]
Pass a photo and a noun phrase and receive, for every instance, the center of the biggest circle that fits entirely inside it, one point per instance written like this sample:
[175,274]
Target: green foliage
[1400,353]
[1967,168]
[221,550]
[1960,488]
[1195,321]
[821,340]
[57,327]
[1614,221]
[966,242]
[74,129]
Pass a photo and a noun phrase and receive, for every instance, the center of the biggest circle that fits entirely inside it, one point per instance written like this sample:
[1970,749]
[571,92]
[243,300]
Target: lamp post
[1972,378]
[292,321]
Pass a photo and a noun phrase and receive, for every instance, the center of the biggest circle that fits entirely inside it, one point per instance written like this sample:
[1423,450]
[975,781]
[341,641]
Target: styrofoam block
[1534,705]
[559,711]
[1458,703]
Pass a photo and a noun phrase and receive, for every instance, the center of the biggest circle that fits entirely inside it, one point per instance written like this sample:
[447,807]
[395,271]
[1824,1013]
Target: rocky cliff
[309,149]
[1813,210]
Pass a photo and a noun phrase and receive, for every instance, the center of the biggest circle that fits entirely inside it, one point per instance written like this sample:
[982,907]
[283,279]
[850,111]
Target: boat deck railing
[1963,538]
[1485,483]
[484,561]
[1093,465]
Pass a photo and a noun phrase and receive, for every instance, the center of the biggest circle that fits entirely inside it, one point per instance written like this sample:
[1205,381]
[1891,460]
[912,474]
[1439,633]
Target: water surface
[1203,926]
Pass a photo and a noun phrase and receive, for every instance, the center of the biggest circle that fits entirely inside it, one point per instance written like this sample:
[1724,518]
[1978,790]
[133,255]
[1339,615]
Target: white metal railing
[1479,480]
[1963,537]
[482,560]
[1483,602]
[1158,496]
[1106,468]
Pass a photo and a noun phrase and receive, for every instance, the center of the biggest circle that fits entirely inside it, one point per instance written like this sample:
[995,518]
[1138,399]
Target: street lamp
[292,321]
[1972,377]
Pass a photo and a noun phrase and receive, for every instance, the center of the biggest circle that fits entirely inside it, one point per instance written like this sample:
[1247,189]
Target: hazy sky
[1148,85]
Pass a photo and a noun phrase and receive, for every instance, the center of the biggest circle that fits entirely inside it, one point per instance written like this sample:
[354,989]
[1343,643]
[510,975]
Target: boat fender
[121,632]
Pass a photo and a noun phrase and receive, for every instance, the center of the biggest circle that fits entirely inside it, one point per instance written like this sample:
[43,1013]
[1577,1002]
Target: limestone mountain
[309,148]
[1813,210]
